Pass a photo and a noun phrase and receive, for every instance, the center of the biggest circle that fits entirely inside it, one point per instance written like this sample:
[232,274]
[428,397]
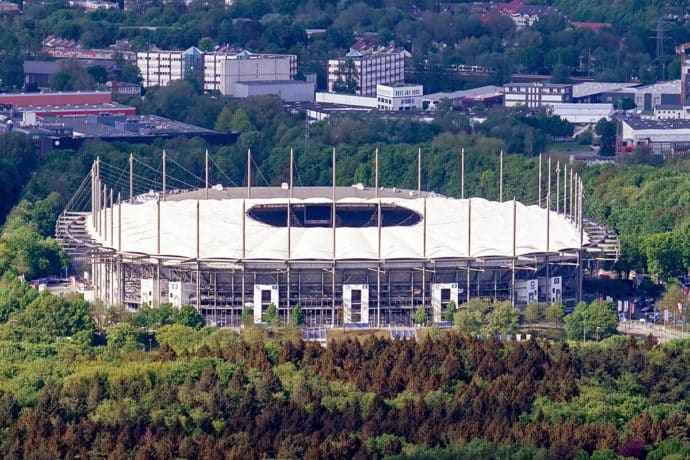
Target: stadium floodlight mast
[500,178]
[539,183]
[462,173]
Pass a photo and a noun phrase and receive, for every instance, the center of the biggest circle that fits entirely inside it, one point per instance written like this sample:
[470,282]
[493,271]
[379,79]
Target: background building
[582,113]
[484,96]
[215,71]
[360,73]
[533,95]
[159,68]
[222,71]
[663,136]
[400,96]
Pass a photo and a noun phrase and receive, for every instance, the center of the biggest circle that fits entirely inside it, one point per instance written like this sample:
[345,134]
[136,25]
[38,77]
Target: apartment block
[366,71]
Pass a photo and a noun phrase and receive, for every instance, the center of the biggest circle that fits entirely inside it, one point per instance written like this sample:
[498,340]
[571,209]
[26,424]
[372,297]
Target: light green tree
[224,120]
[297,315]
[588,322]
[271,315]
[247,317]
[122,338]
[240,121]
[471,316]
[451,308]
[555,313]
[671,298]
[502,319]
[420,315]
[534,312]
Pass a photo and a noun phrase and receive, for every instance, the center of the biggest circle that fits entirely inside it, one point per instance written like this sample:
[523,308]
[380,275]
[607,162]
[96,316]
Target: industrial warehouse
[362,256]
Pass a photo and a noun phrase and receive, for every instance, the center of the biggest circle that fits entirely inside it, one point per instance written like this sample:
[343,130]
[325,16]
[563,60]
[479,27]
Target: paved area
[659,331]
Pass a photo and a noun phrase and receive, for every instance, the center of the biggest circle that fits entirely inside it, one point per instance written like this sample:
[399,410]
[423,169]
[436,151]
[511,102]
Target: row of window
[537,90]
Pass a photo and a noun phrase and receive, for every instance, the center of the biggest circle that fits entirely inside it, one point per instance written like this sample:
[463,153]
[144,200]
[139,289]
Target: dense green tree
[98,73]
[346,78]
[154,317]
[122,338]
[247,317]
[607,131]
[14,295]
[502,319]
[50,317]
[588,322]
[470,317]
[71,76]
[188,316]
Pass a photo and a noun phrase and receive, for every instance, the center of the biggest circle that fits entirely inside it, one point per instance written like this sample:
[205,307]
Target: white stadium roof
[221,225]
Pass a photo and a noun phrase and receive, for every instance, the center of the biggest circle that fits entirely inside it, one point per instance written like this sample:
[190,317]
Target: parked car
[653,315]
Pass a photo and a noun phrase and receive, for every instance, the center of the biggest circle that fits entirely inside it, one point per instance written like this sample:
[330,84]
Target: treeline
[650,208]
[266,394]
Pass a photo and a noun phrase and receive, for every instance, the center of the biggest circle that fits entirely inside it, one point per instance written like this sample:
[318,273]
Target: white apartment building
[216,71]
[369,70]
[533,95]
[400,96]
[222,71]
[159,68]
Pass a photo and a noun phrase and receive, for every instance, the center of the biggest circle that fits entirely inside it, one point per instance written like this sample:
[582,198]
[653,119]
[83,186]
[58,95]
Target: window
[445,298]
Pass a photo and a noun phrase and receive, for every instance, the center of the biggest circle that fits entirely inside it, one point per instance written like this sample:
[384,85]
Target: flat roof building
[582,113]
[399,97]
[663,136]
[223,70]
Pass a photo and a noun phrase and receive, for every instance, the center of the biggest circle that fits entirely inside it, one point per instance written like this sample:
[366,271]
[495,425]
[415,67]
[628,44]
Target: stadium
[349,256]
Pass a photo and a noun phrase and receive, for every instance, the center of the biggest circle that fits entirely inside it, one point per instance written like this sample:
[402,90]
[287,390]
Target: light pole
[584,329]
[597,332]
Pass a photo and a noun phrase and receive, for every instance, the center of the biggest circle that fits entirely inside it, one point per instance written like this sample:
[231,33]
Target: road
[659,331]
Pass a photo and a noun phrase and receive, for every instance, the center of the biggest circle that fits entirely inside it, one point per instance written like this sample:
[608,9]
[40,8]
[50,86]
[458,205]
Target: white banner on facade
[526,291]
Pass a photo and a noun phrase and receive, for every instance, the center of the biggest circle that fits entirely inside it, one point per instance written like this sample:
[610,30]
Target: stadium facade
[346,255]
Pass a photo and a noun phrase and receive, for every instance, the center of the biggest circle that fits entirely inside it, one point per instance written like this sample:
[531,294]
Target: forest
[79,380]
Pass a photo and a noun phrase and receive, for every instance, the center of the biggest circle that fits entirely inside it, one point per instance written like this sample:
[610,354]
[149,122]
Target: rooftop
[302,193]
[124,126]
[538,83]
[590,88]
[475,93]
[443,224]
[104,107]
[640,124]
[273,82]
[671,86]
